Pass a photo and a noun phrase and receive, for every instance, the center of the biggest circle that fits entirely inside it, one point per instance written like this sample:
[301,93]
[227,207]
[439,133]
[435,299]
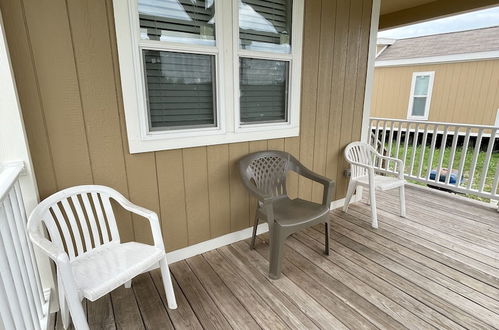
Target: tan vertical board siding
[218,189]
[27,88]
[196,194]
[89,32]
[172,198]
[326,50]
[310,69]
[50,37]
[276,144]
[334,152]
[361,71]
[354,29]
[463,92]
[239,197]
[140,168]
[66,66]
[292,145]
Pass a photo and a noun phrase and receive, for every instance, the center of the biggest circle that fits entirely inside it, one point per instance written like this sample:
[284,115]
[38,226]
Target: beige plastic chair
[85,246]
[264,175]
[363,159]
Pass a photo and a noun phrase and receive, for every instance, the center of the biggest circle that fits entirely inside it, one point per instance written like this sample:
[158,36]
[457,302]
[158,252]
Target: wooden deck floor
[438,268]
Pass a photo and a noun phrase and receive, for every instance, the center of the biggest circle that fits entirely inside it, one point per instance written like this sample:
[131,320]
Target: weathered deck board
[437,268]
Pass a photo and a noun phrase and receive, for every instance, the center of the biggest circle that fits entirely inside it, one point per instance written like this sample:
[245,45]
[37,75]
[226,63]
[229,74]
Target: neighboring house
[451,77]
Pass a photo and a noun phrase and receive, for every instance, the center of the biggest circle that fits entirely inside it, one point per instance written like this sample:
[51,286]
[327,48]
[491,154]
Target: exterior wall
[66,66]
[464,92]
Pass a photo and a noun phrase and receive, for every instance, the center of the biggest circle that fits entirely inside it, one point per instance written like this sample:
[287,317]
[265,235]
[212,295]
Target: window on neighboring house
[201,72]
[420,99]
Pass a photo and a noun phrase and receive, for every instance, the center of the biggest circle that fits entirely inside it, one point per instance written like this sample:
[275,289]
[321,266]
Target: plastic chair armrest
[149,215]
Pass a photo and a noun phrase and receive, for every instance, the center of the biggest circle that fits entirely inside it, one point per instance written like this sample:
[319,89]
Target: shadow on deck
[437,268]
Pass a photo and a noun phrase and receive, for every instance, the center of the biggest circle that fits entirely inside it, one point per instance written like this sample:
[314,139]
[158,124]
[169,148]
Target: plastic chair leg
[374,215]
[253,237]
[167,283]
[350,191]
[276,246]
[402,201]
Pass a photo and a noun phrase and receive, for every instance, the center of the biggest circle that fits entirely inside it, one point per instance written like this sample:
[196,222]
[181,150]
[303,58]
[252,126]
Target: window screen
[263,90]
[180,89]
[185,21]
[265,25]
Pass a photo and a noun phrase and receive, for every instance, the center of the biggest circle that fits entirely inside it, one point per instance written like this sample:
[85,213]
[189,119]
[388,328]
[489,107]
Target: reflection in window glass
[263,90]
[418,106]
[421,86]
[265,25]
[185,21]
[180,89]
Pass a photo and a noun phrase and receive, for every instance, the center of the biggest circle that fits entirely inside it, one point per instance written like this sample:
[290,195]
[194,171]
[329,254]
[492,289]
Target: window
[201,72]
[420,99]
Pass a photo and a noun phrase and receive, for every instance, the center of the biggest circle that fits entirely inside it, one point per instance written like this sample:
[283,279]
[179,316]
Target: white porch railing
[428,148]
[23,302]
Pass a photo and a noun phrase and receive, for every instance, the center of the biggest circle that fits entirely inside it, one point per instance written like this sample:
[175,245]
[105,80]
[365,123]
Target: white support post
[373,37]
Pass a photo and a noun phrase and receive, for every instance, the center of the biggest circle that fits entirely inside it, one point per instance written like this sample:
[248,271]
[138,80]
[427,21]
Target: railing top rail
[8,175]
[435,123]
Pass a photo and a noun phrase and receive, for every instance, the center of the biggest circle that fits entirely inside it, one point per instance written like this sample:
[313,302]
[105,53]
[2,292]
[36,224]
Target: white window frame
[431,74]
[226,52]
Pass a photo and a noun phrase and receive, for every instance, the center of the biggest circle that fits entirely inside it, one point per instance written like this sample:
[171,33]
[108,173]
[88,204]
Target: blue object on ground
[443,176]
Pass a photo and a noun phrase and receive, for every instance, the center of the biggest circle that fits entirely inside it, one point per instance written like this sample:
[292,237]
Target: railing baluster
[476,152]
[432,151]
[423,150]
[464,151]
[382,145]
[487,160]
[406,141]
[24,258]
[452,153]
[495,184]
[10,274]
[32,261]
[414,147]
[390,143]
[5,312]
[376,134]
[442,153]
[399,137]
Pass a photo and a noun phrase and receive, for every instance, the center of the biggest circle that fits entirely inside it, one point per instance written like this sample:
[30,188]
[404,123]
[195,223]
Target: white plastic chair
[363,159]
[85,246]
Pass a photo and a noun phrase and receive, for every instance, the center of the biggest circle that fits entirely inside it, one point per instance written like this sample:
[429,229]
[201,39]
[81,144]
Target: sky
[468,21]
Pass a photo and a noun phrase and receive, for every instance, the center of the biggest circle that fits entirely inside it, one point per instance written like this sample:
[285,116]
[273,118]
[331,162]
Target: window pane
[263,90]
[418,106]
[265,25]
[421,86]
[180,89]
[185,21]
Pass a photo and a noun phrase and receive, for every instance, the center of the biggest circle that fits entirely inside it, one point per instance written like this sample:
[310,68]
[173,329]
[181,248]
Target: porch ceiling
[403,12]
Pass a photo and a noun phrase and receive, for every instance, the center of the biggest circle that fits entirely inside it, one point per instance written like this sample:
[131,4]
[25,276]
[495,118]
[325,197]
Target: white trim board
[439,59]
[215,243]
[371,58]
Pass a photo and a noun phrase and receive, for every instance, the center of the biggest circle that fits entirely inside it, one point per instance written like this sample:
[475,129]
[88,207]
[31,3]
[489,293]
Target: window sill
[157,144]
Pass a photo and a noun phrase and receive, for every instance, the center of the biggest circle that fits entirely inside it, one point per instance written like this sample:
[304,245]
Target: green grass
[494,160]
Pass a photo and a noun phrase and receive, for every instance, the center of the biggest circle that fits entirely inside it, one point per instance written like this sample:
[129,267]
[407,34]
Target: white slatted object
[23,302]
[365,163]
[465,144]
[85,246]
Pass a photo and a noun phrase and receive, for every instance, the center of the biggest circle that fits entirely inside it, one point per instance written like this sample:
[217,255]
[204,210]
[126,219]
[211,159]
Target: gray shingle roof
[472,41]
